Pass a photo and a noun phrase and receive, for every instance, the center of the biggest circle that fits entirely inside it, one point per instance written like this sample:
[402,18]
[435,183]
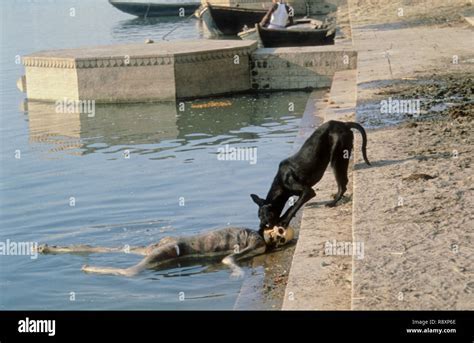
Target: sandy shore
[417,216]
[413,209]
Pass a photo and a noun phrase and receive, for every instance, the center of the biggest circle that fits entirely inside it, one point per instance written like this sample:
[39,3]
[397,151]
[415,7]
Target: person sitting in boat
[278,16]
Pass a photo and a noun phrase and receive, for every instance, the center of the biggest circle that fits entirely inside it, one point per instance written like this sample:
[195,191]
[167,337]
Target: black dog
[331,142]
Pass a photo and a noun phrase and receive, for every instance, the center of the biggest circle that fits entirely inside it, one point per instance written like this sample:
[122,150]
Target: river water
[131,174]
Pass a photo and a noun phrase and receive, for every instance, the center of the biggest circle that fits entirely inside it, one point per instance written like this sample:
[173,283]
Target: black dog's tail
[359,127]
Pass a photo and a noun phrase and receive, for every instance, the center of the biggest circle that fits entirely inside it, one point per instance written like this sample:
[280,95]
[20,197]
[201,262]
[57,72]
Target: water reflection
[111,125]
[155,127]
[156,28]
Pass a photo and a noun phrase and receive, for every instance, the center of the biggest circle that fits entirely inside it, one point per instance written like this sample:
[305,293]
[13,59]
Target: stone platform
[139,72]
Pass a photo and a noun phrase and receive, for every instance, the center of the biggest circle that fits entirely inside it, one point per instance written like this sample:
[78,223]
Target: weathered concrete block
[140,72]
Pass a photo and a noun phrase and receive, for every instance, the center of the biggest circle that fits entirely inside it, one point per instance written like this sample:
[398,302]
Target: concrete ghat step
[319,280]
[270,267]
[168,71]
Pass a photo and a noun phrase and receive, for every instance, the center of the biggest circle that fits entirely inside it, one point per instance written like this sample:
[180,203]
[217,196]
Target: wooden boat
[156,8]
[222,20]
[294,36]
[302,23]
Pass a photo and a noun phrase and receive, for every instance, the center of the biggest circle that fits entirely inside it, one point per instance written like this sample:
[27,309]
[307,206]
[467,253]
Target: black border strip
[241,325]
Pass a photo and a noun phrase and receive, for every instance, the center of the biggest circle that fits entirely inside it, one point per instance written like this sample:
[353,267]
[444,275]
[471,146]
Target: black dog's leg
[340,166]
[306,195]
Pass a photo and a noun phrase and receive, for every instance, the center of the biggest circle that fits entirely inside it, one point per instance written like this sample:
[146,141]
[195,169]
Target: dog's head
[266,213]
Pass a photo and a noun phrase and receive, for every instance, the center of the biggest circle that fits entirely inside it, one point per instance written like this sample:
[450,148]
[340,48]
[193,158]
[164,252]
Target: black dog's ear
[256,199]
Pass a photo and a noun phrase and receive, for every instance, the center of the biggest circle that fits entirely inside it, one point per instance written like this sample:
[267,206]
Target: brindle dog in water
[233,243]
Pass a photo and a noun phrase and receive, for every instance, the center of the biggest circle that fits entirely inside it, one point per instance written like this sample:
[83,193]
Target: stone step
[320,278]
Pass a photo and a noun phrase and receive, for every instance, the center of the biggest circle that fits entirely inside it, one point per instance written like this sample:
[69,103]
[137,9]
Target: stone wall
[299,68]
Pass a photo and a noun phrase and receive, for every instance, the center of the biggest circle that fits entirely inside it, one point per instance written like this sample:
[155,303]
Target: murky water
[171,184]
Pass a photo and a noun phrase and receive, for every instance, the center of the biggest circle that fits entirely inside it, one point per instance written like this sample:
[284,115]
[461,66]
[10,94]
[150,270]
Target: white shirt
[279,17]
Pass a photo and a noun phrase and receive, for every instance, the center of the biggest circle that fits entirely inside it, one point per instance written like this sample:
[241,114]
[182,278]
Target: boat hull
[146,10]
[221,20]
[290,38]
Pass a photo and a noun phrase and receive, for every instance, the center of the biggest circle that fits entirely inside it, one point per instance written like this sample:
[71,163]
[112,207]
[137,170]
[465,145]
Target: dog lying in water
[234,243]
